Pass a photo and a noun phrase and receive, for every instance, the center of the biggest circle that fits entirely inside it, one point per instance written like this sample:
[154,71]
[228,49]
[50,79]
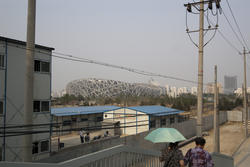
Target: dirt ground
[231,135]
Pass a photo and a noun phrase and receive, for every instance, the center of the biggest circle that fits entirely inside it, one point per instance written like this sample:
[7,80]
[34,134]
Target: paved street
[242,156]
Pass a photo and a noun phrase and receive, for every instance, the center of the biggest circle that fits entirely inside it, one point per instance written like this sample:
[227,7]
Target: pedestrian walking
[87,138]
[81,136]
[198,157]
[172,156]
[106,134]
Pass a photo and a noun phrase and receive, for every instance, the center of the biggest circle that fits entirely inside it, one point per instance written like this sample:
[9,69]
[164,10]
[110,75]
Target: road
[242,156]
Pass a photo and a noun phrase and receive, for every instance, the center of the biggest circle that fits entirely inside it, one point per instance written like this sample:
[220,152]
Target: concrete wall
[234,116]
[130,118]
[187,128]
[208,121]
[83,149]
[15,98]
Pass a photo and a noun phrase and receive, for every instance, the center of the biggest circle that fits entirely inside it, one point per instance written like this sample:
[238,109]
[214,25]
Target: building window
[99,119]
[45,105]
[44,146]
[67,122]
[74,119]
[163,122]
[84,119]
[41,66]
[172,120]
[36,106]
[180,119]
[41,106]
[1,60]
[1,107]
[35,148]
[152,124]
[1,158]
[45,66]
[37,66]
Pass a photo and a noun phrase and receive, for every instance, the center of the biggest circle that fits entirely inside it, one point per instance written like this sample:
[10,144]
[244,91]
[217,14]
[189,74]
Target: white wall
[15,98]
[129,121]
[234,115]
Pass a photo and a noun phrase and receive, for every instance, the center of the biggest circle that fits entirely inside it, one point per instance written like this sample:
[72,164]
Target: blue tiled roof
[156,110]
[68,111]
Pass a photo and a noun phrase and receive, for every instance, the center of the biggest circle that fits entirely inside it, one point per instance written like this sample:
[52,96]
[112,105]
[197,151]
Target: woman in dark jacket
[172,156]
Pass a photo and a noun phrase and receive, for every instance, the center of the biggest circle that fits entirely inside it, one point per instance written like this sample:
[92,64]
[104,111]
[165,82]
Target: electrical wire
[70,57]
[69,130]
[236,35]
[85,60]
[217,21]
[237,25]
[187,29]
[224,37]
[125,115]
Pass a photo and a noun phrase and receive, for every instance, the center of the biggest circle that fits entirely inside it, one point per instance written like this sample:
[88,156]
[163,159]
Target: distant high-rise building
[230,84]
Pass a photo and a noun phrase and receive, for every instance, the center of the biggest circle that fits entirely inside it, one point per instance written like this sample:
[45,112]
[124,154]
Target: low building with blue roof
[139,119]
[132,120]
[67,118]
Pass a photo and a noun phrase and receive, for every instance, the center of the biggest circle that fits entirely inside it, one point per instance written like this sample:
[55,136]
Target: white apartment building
[173,91]
[167,89]
[12,82]
[194,90]
[238,91]
[182,90]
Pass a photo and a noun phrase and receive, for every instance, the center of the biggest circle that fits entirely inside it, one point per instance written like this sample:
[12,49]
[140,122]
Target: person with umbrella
[172,156]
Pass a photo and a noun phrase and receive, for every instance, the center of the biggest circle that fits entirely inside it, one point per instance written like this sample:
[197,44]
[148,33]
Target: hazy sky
[144,34]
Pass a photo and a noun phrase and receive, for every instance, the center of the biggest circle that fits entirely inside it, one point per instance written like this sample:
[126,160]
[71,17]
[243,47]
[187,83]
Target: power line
[237,25]
[137,71]
[133,70]
[232,28]
[125,115]
[227,40]
[13,134]
[70,57]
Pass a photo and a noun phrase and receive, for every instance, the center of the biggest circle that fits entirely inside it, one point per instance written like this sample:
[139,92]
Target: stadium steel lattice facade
[111,88]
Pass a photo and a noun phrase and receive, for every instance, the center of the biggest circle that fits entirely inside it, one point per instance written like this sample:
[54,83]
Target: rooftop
[156,110]
[67,111]
[150,110]
[24,43]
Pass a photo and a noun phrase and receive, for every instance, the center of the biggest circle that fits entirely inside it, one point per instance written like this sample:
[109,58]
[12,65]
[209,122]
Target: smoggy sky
[143,34]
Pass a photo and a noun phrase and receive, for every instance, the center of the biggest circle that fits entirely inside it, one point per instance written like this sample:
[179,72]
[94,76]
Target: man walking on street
[198,157]
[81,136]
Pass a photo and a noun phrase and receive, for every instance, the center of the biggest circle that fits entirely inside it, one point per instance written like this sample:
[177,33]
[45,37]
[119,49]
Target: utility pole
[216,115]
[200,72]
[28,96]
[189,6]
[245,95]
